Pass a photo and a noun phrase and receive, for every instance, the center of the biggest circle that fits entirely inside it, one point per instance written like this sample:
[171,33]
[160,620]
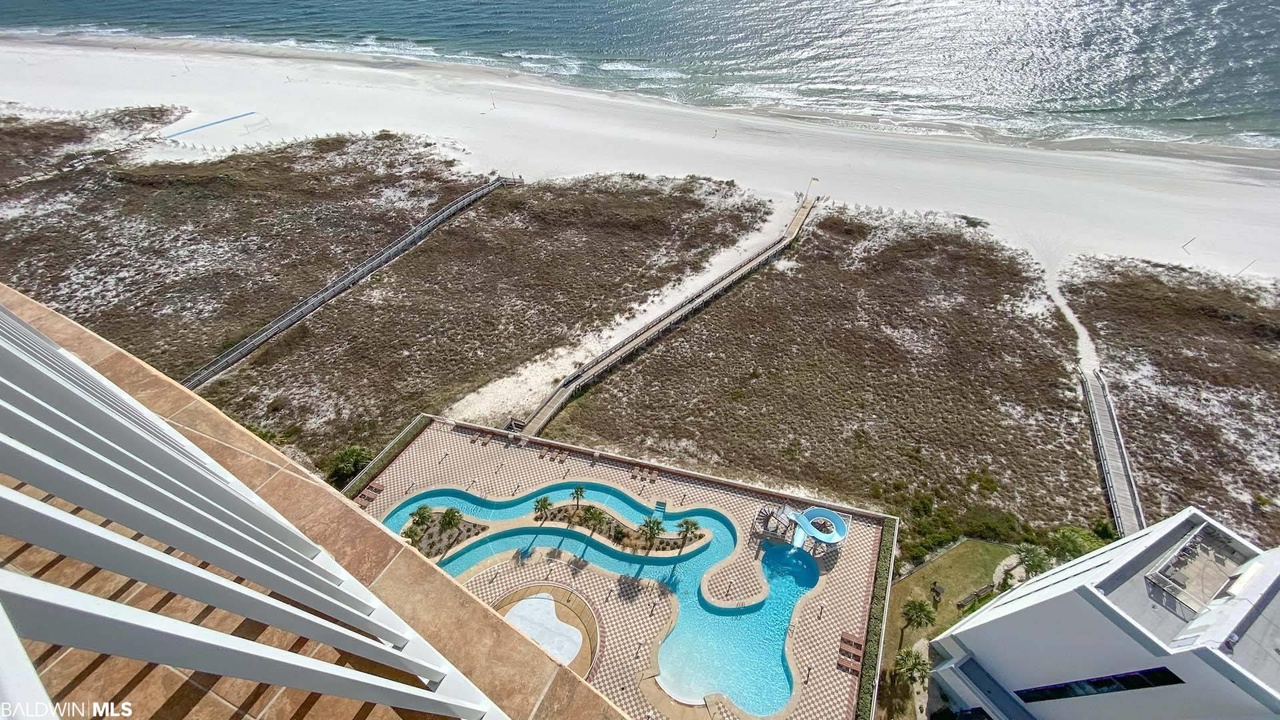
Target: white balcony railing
[67,431]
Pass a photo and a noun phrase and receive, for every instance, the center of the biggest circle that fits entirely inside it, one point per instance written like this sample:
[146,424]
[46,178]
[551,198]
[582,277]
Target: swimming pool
[739,652]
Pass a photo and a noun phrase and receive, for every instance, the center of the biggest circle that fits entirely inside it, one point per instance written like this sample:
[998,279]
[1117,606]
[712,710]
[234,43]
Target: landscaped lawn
[961,570]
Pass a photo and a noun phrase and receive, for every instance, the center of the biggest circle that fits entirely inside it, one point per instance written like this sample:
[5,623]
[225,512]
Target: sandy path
[519,393]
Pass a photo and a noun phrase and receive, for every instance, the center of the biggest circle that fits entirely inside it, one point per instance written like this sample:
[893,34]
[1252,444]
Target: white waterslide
[806,529]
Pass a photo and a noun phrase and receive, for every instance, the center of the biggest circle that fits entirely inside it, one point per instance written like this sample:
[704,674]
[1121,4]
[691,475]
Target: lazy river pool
[735,651]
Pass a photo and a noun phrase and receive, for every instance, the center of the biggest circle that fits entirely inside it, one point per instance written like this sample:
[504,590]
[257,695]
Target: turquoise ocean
[1188,70]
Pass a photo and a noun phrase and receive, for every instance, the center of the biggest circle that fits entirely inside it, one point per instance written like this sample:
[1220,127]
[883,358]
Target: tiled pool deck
[636,617]
[514,672]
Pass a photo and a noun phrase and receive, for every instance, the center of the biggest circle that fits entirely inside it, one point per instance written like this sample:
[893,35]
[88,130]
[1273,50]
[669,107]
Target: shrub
[1103,528]
[875,622]
[1069,543]
[264,433]
[984,480]
[347,463]
[922,506]
[987,523]
[915,553]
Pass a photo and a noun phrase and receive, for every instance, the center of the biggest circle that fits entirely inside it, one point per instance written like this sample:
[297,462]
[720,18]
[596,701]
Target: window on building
[1154,677]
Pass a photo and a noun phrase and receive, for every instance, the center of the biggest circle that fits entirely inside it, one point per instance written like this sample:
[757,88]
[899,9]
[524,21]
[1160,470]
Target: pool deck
[636,616]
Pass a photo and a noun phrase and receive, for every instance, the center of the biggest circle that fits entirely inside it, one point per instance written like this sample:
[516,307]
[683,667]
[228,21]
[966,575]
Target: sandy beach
[1055,203]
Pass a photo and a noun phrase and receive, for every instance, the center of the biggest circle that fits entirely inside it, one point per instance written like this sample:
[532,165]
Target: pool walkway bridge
[341,284]
[1113,460]
[597,367]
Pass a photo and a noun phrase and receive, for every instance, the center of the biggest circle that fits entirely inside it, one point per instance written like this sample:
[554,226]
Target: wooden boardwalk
[598,366]
[1117,476]
[339,285]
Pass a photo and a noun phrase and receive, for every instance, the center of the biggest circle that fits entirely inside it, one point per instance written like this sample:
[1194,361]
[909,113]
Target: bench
[972,597]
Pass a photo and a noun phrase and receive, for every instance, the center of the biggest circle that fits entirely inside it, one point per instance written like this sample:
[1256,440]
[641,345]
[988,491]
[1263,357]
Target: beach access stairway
[1113,461]
[341,284]
[584,376]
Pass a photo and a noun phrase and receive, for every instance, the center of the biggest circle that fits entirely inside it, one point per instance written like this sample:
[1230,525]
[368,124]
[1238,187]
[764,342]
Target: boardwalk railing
[341,284]
[1113,459]
[600,364]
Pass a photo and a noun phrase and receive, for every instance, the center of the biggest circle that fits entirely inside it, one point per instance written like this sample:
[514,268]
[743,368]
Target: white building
[1179,620]
[71,435]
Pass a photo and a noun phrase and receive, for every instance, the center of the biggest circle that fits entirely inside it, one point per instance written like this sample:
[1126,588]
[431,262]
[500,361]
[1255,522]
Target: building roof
[1189,582]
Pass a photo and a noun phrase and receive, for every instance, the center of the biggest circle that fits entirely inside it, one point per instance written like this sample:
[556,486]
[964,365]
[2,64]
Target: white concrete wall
[1064,638]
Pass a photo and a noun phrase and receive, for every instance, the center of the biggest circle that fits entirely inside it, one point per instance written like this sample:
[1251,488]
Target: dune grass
[1193,362]
[176,261]
[906,364]
[526,270]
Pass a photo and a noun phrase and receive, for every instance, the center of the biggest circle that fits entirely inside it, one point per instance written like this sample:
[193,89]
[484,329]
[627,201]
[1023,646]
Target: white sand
[1065,202]
[1055,203]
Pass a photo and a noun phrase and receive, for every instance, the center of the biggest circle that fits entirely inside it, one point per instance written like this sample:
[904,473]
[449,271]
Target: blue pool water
[692,659]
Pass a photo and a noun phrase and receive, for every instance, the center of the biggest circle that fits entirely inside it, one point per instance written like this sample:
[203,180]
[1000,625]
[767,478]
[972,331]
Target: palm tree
[688,527]
[1034,559]
[911,666]
[541,507]
[916,614]
[422,516]
[593,518]
[651,529]
[450,520]
[577,495]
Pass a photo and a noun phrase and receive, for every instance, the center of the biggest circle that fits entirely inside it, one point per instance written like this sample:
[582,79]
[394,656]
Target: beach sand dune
[1055,203]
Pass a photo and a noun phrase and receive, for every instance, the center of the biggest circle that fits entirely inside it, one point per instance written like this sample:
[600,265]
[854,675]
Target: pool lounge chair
[856,641]
[850,658]
[844,664]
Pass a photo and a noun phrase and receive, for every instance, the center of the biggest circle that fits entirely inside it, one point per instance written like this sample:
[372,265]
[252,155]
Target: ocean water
[1190,70]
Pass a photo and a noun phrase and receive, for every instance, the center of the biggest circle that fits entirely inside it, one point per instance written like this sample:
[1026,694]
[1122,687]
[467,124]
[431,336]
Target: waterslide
[805,528]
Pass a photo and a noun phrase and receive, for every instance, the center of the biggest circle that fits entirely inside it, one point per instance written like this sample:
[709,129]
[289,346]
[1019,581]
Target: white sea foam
[639,72]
